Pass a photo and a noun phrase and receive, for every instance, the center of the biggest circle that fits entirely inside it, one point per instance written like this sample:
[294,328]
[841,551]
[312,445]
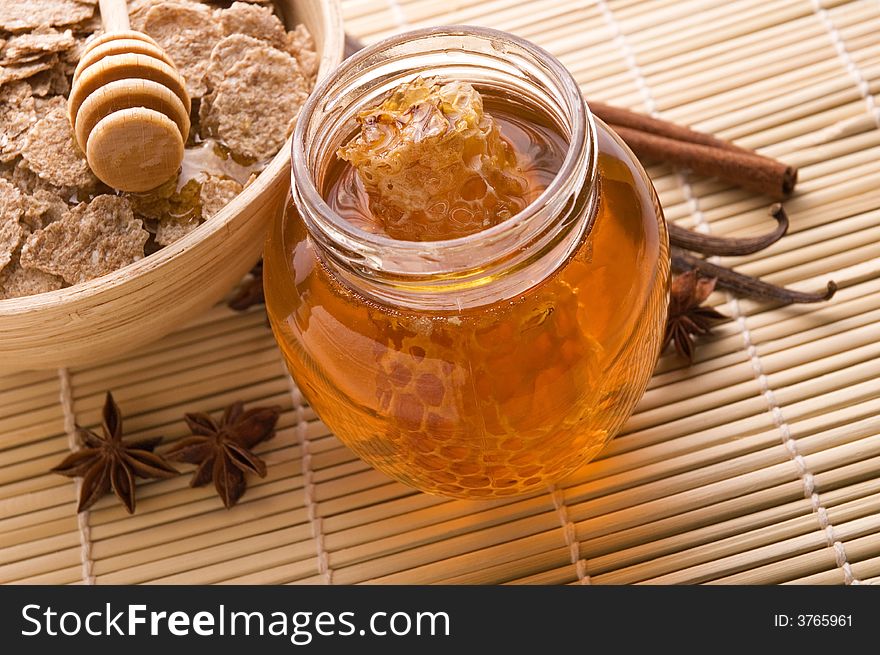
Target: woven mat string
[85,536]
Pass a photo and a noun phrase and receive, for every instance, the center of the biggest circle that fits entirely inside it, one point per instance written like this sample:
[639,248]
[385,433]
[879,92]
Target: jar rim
[367,246]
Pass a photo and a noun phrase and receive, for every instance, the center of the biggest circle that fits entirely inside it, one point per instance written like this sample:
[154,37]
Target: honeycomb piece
[469,399]
[434,165]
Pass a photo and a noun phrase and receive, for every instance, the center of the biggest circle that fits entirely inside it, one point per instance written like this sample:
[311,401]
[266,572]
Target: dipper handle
[114,15]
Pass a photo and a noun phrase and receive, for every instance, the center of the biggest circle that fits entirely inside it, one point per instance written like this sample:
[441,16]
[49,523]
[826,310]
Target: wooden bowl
[144,301]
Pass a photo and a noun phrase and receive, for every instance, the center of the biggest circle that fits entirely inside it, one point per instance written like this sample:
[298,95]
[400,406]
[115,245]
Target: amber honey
[476,316]
[496,399]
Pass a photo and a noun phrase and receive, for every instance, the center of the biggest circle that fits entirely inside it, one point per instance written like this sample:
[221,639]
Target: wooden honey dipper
[128,106]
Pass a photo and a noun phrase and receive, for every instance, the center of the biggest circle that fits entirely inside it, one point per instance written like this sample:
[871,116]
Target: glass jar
[495,363]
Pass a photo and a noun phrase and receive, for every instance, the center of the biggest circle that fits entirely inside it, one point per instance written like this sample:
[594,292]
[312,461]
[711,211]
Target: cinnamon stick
[748,170]
[621,117]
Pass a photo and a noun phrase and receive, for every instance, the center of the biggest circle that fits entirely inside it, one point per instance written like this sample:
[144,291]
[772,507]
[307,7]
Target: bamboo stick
[67,575]
[801,525]
[176,561]
[53,561]
[697,104]
[804,70]
[46,419]
[49,520]
[247,369]
[544,568]
[282,555]
[130,550]
[214,324]
[781,33]
[827,398]
[855,224]
[400,509]
[283,574]
[670,46]
[734,203]
[172,361]
[427,526]
[798,565]
[719,558]
[862,570]
[560,575]
[25,495]
[791,365]
[13,556]
[690,489]
[167,421]
[776,112]
[25,379]
[747,414]
[14,398]
[108,520]
[771,42]
[608,554]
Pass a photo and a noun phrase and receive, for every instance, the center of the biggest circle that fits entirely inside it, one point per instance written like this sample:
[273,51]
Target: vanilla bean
[746,285]
[713,245]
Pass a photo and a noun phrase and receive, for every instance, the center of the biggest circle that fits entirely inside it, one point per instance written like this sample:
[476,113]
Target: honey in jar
[485,330]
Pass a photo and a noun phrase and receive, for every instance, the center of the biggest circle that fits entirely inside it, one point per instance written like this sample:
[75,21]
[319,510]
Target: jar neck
[488,266]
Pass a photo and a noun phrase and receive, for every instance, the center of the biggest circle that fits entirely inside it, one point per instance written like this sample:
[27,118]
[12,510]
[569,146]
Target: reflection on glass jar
[491,364]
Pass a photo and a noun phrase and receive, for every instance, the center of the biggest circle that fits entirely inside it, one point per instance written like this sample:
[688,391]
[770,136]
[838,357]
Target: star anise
[106,462]
[687,317]
[222,451]
[250,291]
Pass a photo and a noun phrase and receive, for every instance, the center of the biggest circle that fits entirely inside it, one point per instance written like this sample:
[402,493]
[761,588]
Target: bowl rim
[331,54]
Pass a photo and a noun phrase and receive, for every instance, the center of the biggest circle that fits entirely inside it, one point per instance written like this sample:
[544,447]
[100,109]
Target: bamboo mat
[758,464]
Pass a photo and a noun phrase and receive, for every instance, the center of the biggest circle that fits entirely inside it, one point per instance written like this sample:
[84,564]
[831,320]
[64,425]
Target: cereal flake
[172,229]
[16,281]
[180,213]
[29,182]
[253,20]
[14,72]
[50,82]
[36,44]
[52,153]
[93,239]
[11,230]
[253,107]
[188,33]
[228,52]
[16,117]
[302,46]
[42,208]
[217,192]
[137,10]
[19,16]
